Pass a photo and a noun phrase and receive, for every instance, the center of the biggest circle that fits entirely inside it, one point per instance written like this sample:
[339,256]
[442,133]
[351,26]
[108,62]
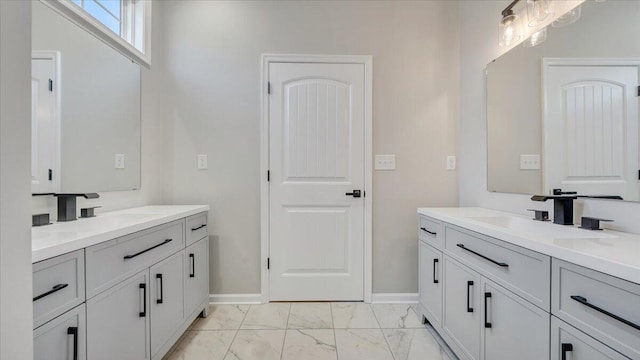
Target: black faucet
[67,205]
[562,207]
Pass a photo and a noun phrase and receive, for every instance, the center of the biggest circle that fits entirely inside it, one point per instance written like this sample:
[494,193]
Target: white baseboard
[235,298]
[394,298]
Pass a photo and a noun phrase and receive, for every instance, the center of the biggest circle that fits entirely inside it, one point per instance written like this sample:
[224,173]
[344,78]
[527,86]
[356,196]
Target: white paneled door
[316,158]
[591,129]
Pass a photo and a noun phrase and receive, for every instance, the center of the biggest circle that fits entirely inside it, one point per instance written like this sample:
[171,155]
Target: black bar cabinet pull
[54,289]
[198,228]
[565,349]
[143,313]
[435,268]
[73,330]
[584,302]
[487,324]
[193,265]
[159,301]
[430,232]
[501,264]
[127,257]
[469,285]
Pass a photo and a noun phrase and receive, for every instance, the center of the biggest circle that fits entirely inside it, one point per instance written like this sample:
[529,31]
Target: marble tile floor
[309,331]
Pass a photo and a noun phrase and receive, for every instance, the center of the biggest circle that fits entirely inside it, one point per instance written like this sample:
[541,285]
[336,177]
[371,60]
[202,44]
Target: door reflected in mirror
[85,110]
[564,114]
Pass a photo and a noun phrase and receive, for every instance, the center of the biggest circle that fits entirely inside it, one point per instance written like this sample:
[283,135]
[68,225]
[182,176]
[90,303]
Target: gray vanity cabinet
[196,275]
[461,320]
[513,327]
[568,342]
[63,338]
[118,321]
[166,299]
[431,282]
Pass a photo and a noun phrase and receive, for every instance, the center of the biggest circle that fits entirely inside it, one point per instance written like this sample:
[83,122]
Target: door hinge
[50,85]
[268,263]
[364,194]
[638,174]
[638,90]
[268,87]
[268,175]
[50,175]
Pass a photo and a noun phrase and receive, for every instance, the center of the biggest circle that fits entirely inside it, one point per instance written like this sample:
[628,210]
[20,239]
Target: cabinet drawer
[63,338]
[110,262]
[574,344]
[603,306]
[196,227]
[58,286]
[431,231]
[522,271]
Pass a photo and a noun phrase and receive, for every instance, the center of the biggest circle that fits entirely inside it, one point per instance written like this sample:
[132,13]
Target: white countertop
[63,237]
[611,252]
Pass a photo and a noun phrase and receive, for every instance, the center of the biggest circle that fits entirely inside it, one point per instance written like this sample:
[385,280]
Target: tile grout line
[237,331]
[382,332]
[333,328]
[286,329]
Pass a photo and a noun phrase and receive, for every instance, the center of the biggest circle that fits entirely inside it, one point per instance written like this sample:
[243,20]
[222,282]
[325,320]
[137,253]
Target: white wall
[16,314]
[213,63]
[478,46]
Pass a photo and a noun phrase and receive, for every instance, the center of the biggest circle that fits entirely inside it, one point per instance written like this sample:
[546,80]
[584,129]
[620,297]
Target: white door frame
[548,62]
[367,61]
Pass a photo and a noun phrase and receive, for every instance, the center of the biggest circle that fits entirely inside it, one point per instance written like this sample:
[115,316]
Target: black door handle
[501,264]
[127,257]
[355,193]
[430,232]
[565,349]
[54,289]
[73,330]
[143,313]
[584,302]
[159,301]
[469,285]
[435,267]
[193,265]
[487,324]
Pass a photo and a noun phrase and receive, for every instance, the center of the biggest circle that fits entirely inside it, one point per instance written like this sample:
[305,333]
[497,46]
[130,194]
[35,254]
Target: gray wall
[212,107]
[16,314]
[478,46]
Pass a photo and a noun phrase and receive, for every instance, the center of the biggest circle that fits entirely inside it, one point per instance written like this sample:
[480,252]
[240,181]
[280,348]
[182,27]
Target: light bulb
[537,11]
[510,29]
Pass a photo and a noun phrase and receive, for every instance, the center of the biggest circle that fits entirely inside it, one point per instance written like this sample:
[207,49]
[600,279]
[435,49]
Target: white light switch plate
[119,161]
[385,162]
[451,162]
[530,162]
[202,162]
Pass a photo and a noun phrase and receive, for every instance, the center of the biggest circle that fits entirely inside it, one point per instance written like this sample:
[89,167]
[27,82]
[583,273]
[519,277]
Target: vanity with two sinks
[497,286]
[123,285]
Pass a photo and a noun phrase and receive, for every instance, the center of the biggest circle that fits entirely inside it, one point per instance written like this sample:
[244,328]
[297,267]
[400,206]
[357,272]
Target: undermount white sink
[537,228]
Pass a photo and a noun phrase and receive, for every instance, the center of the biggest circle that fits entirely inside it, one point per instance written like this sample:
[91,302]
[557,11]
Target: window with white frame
[123,17]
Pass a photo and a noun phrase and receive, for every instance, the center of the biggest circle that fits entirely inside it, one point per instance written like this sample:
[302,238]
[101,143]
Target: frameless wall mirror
[85,110]
[564,114]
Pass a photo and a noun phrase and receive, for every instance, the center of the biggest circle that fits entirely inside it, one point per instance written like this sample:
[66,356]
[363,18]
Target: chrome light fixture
[510,28]
[538,11]
[536,38]
[569,18]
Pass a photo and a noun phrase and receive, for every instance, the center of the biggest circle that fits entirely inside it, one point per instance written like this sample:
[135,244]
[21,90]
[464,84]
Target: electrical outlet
[202,162]
[451,162]
[530,162]
[119,161]
[385,162]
